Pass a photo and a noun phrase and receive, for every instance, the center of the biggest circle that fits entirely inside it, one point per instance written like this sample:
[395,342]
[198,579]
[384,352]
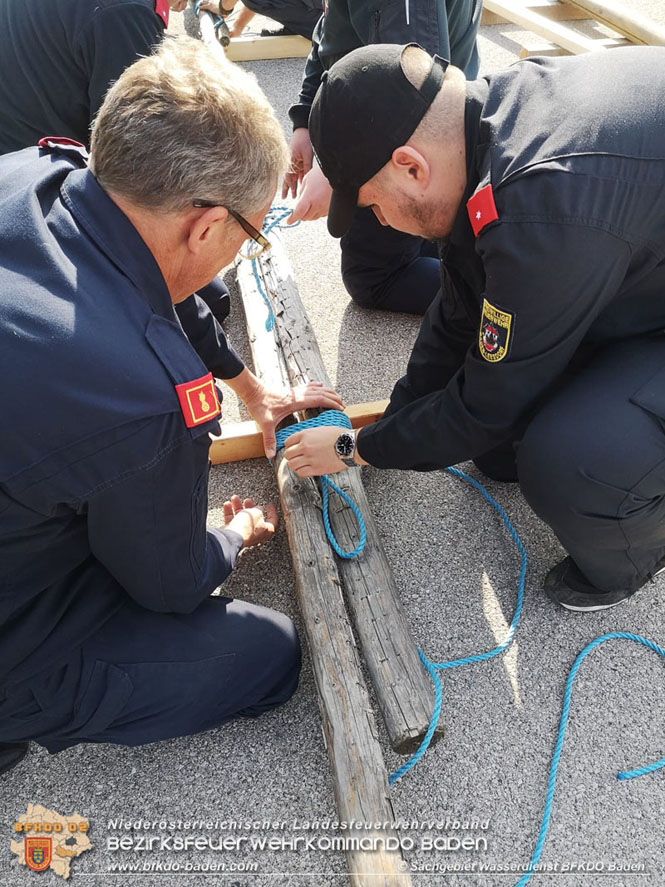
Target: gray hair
[185,124]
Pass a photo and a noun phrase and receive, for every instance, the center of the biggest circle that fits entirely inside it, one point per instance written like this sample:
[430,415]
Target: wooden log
[402,687]
[636,27]
[249,49]
[243,440]
[359,774]
[538,24]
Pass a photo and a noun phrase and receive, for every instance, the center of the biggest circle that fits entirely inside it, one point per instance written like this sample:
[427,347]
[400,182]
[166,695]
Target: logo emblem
[198,400]
[38,853]
[495,332]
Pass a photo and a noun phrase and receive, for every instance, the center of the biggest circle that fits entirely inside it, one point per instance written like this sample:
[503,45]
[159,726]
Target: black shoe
[11,753]
[565,585]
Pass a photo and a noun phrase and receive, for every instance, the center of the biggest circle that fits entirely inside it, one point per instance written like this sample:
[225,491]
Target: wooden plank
[538,24]
[636,27]
[554,10]
[401,684]
[533,46]
[243,440]
[359,774]
[250,49]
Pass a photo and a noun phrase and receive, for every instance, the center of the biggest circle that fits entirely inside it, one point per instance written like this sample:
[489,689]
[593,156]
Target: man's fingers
[272,517]
[248,503]
[269,443]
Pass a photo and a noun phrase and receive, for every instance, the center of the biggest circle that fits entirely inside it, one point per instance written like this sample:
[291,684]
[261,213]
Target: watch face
[345,445]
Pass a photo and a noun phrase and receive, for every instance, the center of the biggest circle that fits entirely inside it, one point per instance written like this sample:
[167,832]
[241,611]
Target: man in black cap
[543,356]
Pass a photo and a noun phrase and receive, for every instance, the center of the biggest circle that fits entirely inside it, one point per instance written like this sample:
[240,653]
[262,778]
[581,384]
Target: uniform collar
[115,235]
[477,138]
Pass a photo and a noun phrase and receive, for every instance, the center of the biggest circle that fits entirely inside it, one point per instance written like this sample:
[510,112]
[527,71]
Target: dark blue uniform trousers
[591,462]
[147,676]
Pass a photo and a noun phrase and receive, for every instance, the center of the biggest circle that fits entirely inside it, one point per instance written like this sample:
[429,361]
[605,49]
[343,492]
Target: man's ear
[201,228]
[408,163]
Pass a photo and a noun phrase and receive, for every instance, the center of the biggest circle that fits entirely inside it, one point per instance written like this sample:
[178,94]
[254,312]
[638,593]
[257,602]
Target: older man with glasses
[108,629]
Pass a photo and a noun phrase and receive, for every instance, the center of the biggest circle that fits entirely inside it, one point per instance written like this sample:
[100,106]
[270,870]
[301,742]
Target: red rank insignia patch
[162,9]
[481,209]
[38,853]
[198,400]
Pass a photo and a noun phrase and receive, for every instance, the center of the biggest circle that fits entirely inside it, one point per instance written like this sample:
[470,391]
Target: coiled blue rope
[434,667]
[329,417]
[274,217]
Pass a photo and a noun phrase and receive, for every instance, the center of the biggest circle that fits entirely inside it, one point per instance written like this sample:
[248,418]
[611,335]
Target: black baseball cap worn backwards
[365,108]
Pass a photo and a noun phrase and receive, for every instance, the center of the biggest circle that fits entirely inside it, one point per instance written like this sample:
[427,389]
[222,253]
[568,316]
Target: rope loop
[328,418]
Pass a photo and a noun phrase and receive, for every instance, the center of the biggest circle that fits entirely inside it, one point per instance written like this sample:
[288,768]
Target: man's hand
[311,452]
[314,199]
[178,5]
[268,408]
[249,521]
[302,157]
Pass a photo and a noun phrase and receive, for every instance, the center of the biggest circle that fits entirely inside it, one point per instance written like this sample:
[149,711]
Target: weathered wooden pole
[402,688]
[359,773]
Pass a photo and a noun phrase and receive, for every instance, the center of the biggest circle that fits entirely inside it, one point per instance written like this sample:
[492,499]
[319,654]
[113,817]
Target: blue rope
[218,21]
[434,667]
[276,215]
[329,417]
[554,766]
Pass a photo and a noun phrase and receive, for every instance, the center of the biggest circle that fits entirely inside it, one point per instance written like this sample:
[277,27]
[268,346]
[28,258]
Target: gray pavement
[457,569]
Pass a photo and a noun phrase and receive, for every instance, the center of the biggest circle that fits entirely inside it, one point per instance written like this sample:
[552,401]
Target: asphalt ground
[457,569]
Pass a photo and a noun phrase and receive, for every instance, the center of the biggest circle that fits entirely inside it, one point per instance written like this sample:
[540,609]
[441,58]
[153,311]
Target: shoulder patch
[481,209]
[198,400]
[494,337]
[162,9]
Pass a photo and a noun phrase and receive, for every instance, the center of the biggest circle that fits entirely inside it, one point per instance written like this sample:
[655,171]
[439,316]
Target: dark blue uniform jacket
[57,59]
[558,245]
[103,487]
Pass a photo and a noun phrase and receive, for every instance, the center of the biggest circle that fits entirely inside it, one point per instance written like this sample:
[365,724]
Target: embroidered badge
[38,853]
[198,400]
[495,331]
[481,209]
[162,9]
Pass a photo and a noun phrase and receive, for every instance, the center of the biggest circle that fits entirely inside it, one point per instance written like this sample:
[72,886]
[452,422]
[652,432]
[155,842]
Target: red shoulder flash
[52,141]
[482,209]
[162,9]
[198,400]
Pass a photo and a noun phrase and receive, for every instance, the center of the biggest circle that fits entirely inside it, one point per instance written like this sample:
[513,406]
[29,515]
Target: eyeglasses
[262,243]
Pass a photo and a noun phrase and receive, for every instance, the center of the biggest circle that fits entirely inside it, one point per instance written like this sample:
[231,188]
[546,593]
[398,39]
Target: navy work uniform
[549,331]
[297,16]
[57,60]
[383,268]
[108,631]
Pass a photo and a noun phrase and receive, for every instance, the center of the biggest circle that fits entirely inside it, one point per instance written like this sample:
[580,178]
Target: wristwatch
[345,447]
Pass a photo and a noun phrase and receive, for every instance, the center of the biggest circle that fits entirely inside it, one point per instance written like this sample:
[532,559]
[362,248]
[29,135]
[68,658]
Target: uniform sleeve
[114,39]
[208,338]
[548,282]
[148,527]
[299,112]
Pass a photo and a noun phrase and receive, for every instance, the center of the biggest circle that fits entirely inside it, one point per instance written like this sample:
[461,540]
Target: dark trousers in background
[591,462]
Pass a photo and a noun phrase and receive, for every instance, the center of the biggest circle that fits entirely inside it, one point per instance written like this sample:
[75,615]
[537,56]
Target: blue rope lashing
[274,218]
[434,667]
[218,21]
[329,417]
[565,711]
